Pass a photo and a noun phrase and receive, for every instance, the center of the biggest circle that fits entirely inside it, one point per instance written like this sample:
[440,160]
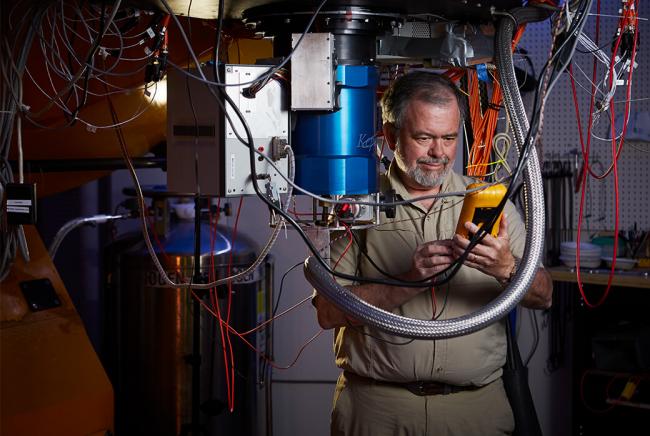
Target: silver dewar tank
[149,335]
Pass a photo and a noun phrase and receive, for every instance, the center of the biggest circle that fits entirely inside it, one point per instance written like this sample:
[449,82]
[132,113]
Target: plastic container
[622,263]
[607,245]
[570,261]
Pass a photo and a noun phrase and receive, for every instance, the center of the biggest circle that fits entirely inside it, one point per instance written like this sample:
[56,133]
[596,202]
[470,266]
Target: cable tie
[90,128]
[103,52]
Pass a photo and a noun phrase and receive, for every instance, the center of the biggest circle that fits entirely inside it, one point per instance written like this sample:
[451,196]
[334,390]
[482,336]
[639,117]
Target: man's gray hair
[424,86]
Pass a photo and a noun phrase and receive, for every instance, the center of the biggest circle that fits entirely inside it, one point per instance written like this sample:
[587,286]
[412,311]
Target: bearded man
[392,386]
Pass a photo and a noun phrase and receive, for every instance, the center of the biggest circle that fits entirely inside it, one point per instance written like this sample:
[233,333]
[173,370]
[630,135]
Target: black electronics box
[21,203]
[622,347]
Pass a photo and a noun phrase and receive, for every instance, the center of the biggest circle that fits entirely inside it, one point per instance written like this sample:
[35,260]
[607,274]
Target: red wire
[260,353]
[347,247]
[284,312]
[585,150]
[615,155]
[214,299]
[232,356]
[165,26]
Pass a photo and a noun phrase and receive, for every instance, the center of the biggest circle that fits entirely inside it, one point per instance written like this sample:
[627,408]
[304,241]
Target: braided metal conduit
[509,298]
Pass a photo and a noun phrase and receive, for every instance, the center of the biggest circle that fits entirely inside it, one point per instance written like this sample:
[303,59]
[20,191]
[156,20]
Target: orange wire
[484,124]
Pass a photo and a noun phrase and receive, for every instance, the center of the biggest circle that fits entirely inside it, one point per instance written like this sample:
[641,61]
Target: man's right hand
[430,258]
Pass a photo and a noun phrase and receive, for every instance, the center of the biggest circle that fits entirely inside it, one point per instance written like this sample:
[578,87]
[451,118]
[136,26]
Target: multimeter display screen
[482,215]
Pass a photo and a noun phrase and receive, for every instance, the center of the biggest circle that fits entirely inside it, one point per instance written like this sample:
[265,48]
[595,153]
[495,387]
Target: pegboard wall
[560,132]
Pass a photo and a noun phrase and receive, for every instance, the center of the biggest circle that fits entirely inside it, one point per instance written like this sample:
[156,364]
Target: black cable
[277,301]
[217,43]
[90,61]
[377,338]
[435,317]
[536,335]
[380,270]
[524,53]
[364,251]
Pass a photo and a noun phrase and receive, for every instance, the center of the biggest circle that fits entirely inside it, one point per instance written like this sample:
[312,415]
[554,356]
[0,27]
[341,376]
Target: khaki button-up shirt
[475,359]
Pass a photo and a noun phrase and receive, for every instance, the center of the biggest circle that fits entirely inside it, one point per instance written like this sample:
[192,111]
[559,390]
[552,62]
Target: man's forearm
[540,294]
[383,296]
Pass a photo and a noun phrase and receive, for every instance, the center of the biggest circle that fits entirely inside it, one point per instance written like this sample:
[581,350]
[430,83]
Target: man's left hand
[491,256]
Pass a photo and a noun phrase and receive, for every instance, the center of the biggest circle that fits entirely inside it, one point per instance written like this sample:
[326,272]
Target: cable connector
[278,148]
[103,52]
[155,70]
[389,197]
[273,193]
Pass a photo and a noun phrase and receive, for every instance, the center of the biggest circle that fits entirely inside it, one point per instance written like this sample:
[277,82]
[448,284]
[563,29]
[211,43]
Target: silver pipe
[77,222]
[509,298]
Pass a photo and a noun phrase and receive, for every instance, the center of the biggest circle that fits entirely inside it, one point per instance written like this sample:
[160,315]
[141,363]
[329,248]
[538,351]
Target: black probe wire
[365,254]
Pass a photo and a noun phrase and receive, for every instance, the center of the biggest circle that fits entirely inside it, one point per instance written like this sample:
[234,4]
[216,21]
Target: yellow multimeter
[479,206]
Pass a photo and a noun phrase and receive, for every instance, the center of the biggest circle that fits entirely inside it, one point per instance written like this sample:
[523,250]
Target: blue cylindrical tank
[335,151]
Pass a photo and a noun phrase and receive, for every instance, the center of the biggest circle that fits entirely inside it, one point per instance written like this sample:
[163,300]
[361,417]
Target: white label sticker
[150,32]
[18,202]
[232,166]
[17,209]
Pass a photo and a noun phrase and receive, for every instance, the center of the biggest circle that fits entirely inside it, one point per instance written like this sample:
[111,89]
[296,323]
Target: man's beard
[429,179]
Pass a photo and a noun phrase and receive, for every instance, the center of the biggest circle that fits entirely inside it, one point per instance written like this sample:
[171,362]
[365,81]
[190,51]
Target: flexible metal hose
[78,222]
[498,308]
